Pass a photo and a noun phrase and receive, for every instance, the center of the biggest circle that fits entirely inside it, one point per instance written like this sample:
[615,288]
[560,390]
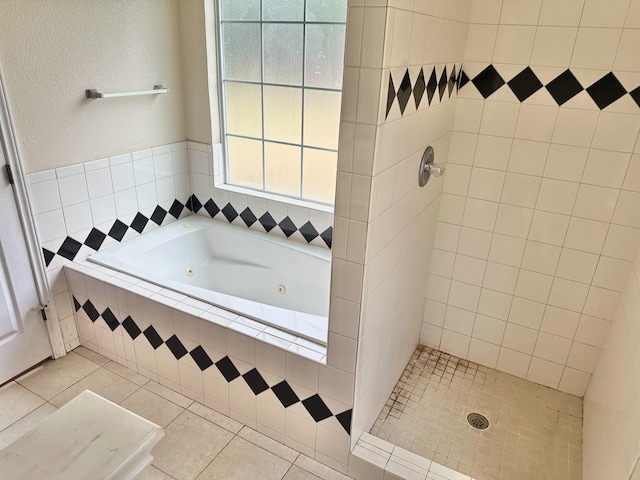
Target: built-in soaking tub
[278,282]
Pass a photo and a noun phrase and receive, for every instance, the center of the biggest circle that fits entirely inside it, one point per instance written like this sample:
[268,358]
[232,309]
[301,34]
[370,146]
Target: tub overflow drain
[281,289]
[478,421]
[190,272]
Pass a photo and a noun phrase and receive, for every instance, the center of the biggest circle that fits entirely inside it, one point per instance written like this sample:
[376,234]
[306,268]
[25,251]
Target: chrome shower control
[428,167]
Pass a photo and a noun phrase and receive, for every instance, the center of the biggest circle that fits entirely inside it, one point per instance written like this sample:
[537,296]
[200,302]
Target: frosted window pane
[319,181]
[326,10]
[241,10]
[283,54]
[321,118]
[325,55]
[245,162]
[244,109]
[283,114]
[290,10]
[242,51]
[282,169]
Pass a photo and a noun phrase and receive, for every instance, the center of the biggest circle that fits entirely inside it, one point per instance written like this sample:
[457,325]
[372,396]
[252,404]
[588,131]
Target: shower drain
[478,421]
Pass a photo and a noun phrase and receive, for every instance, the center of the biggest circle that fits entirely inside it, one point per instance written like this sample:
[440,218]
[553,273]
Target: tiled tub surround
[539,214]
[264,378]
[89,206]
[269,279]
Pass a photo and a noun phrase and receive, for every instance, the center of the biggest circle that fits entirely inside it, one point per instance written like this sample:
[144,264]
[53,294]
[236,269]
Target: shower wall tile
[417,81]
[541,190]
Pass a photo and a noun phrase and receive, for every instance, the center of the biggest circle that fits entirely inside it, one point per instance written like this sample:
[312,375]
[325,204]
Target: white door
[23,335]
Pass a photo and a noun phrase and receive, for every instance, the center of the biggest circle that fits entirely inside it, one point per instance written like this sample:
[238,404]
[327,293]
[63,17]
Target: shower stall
[506,288]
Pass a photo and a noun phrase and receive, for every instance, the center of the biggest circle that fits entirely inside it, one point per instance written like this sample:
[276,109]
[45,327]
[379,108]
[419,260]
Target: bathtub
[278,282]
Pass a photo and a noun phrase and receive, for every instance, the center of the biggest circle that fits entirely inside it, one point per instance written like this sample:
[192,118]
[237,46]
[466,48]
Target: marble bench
[88,438]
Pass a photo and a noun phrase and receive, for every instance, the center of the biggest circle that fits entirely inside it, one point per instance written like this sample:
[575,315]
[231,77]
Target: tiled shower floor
[535,432]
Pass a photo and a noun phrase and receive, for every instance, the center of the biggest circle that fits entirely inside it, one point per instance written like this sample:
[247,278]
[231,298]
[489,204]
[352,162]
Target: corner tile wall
[539,217]
[405,68]
[611,430]
[88,206]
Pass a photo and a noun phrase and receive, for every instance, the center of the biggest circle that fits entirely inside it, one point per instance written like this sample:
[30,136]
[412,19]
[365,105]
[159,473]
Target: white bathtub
[279,282]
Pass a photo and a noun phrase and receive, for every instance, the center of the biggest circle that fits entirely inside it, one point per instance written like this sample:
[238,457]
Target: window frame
[221,164]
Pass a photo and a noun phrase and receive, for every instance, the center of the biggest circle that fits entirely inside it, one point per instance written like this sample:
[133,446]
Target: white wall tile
[611,273]
[489,329]
[507,250]
[520,190]
[480,43]
[553,46]
[486,184]
[595,48]
[73,189]
[626,210]
[568,294]
[541,258]
[583,357]
[566,162]
[499,119]
[545,372]
[577,266]
[528,157]
[610,14]
[534,286]
[536,122]
[514,44]
[455,343]
[595,203]
[616,132]
[458,320]
[557,196]
[513,362]
[492,152]
[474,242]
[483,353]
[586,235]
[520,339]
[480,214]
[494,304]
[464,296]
[501,278]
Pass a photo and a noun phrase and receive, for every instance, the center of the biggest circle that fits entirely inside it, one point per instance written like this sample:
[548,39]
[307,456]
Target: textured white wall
[200,89]
[50,52]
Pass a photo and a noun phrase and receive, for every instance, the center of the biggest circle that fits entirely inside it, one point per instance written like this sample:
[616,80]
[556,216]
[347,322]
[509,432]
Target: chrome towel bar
[93,93]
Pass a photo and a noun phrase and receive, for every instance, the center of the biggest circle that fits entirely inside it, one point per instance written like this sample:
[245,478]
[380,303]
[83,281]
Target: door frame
[10,145]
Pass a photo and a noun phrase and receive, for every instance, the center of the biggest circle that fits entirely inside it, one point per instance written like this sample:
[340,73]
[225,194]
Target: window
[282,63]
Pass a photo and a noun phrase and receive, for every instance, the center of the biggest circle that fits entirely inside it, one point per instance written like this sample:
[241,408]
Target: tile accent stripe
[442,85]
[229,213]
[315,406]
[563,88]
[70,246]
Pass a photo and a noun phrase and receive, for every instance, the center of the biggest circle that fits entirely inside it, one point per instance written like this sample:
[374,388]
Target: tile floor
[198,443]
[535,432]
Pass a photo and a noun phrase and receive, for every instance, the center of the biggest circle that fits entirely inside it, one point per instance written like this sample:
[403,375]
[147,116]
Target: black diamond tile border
[286,225]
[95,239]
[440,82]
[315,405]
[563,88]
